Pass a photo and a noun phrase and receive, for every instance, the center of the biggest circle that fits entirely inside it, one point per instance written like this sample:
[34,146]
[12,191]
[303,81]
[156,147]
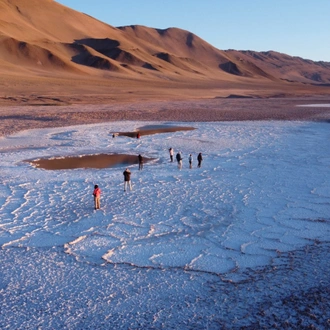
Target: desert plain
[61,67]
[17,118]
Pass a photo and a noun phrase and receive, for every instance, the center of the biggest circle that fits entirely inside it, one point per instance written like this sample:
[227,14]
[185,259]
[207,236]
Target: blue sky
[294,27]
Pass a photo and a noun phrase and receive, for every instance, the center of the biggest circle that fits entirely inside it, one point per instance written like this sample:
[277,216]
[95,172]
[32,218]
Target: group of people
[97,190]
[127,174]
[190,158]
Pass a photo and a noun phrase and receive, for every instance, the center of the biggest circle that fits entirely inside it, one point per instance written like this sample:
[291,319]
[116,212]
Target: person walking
[179,160]
[127,179]
[171,154]
[97,197]
[200,159]
[140,158]
[190,161]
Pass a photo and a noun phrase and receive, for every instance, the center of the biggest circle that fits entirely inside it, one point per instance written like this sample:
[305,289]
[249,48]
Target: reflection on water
[104,160]
[153,129]
[87,161]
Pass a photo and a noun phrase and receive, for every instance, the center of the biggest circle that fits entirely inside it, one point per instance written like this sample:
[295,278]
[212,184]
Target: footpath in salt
[242,241]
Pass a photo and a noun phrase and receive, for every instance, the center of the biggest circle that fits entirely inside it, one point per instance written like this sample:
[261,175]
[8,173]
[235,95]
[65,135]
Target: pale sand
[17,118]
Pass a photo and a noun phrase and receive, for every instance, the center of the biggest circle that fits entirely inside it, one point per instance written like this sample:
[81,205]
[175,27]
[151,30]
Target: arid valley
[239,241]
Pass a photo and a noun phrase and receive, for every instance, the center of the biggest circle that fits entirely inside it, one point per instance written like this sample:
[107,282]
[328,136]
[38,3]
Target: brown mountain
[285,67]
[49,51]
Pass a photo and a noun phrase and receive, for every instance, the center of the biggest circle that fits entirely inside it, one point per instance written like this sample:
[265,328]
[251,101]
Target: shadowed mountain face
[284,66]
[44,38]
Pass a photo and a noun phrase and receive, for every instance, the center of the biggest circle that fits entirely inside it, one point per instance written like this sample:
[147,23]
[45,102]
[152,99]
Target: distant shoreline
[18,118]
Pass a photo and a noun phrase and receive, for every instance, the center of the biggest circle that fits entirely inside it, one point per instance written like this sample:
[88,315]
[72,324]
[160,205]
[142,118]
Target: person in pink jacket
[97,196]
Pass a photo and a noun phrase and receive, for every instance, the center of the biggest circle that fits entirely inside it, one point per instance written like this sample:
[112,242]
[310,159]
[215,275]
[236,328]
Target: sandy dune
[51,54]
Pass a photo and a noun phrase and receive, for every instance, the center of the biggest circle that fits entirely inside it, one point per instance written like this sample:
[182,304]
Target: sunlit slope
[42,39]
[46,35]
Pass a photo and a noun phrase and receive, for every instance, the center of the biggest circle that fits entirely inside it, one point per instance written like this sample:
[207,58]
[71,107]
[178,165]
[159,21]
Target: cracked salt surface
[242,241]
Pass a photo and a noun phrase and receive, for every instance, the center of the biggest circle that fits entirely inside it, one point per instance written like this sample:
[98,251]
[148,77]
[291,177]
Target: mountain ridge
[42,38]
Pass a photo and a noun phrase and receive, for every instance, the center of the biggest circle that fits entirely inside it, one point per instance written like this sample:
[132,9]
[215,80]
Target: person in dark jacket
[127,179]
[140,158]
[179,160]
[199,159]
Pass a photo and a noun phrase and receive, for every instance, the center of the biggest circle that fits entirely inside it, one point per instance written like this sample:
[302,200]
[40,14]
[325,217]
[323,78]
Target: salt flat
[241,241]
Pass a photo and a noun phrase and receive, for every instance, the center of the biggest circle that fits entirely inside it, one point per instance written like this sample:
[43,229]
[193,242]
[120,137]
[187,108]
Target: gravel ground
[18,118]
